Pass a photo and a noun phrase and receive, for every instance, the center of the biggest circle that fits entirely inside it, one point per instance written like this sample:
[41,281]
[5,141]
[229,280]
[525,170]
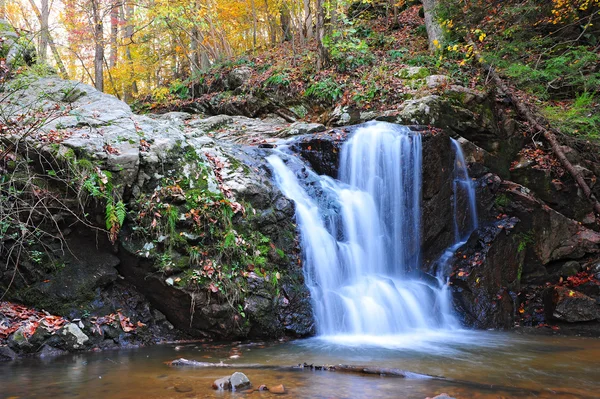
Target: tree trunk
[98,46]
[322,55]
[55,53]
[272,24]
[286,22]
[254,23]
[130,89]
[307,27]
[435,34]
[114,32]
[334,16]
[45,32]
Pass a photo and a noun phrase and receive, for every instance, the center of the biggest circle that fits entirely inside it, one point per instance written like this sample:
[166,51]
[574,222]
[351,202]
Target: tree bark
[45,31]
[114,33]
[435,34]
[98,46]
[307,23]
[130,89]
[322,55]
[254,23]
[285,20]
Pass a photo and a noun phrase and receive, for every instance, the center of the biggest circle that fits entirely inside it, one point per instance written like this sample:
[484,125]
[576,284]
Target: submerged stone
[277,389]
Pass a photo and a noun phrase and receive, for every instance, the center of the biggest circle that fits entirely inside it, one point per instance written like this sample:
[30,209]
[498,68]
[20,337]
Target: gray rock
[73,337]
[569,269]
[435,81]
[564,304]
[7,354]
[238,77]
[413,73]
[222,384]
[341,116]
[239,381]
[48,351]
[19,342]
[300,128]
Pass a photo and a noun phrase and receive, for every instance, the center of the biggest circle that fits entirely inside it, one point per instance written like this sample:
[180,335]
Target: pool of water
[485,365]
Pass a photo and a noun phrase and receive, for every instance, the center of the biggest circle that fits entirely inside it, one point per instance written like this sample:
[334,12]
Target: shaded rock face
[486,275]
[556,237]
[565,304]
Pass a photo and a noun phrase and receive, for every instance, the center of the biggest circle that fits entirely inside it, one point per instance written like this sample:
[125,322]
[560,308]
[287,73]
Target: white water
[360,237]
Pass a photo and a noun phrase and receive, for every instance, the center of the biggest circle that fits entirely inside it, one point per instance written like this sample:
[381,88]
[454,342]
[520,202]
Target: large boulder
[213,162]
[569,305]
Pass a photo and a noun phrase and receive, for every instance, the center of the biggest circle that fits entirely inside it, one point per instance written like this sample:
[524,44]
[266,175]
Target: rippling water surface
[488,365]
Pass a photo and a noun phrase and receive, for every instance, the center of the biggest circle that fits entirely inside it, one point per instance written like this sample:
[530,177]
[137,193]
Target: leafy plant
[278,79]
[326,90]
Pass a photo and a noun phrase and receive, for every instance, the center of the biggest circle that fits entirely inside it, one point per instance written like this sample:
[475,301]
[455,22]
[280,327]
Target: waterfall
[360,235]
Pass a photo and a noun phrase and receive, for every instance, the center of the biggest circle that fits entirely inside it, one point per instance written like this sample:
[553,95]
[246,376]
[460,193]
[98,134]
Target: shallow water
[489,365]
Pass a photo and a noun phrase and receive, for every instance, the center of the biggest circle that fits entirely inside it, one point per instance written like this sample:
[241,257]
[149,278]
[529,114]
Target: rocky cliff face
[208,247]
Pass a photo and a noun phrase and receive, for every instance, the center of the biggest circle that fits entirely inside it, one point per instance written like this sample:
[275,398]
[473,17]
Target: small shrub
[326,90]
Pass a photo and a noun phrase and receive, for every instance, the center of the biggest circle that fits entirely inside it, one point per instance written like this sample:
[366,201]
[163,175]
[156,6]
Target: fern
[120,212]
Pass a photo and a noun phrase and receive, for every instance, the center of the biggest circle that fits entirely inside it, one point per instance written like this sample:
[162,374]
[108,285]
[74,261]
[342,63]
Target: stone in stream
[183,388]
[222,384]
[277,389]
[239,381]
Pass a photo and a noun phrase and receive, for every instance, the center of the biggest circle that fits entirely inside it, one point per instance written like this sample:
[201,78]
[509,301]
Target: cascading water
[464,222]
[361,236]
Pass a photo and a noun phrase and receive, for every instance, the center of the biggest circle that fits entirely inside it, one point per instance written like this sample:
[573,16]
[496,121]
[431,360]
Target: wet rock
[183,388]
[486,275]
[222,384]
[441,396]
[556,236]
[73,337]
[569,269]
[565,304]
[263,388]
[7,354]
[19,342]
[239,381]
[277,389]
[48,351]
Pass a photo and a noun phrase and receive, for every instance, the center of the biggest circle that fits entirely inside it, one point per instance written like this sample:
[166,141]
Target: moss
[502,200]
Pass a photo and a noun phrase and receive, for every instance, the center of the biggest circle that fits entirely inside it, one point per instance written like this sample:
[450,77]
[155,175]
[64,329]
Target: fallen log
[370,370]
[529,116]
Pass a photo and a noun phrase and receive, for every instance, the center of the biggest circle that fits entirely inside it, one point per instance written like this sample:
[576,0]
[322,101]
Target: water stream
[360,237]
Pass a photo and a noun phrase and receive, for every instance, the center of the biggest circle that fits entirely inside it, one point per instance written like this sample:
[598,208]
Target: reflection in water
[514,366]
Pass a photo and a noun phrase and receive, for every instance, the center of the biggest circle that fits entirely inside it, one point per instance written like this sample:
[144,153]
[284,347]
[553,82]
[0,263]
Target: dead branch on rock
[535,123]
